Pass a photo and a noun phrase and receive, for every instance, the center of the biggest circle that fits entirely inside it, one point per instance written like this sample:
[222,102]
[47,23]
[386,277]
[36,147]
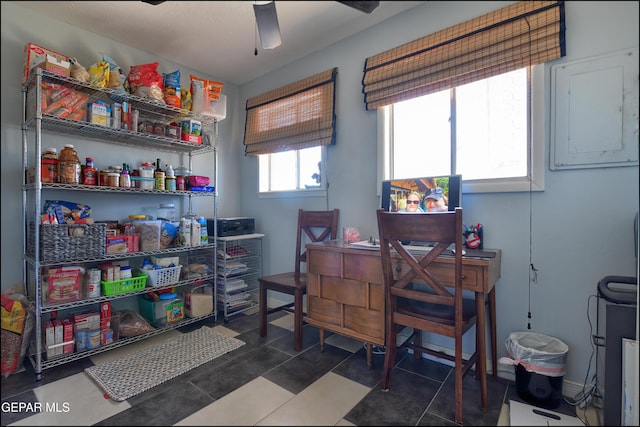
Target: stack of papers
[231,268]
[234,285]
[366,244]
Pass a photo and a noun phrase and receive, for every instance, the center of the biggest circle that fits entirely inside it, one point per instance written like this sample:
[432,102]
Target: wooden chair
[317,226]
[419,298]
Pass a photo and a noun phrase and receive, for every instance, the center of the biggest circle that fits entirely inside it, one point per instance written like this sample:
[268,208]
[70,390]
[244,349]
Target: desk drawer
[357,323]
[363,267]
[348,292]
[324,263]
[471,276]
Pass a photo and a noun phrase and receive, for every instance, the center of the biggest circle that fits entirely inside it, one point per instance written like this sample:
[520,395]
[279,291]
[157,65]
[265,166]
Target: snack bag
[116,78]
[145,81]
[77,71]
[171,83]
[204,92]
[99,74]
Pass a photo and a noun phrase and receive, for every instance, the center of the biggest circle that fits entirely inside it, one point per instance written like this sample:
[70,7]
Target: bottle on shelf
[170,178]
[125,179]
[68,165]
[89,173]
[159,176]
[204,236]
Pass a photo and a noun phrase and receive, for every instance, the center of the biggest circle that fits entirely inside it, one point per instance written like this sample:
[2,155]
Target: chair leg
[369,355]
[492,328]
[321,331]
[481,348]
[263,310]
[389,357]
[417,340]
[458,379]
[297,320]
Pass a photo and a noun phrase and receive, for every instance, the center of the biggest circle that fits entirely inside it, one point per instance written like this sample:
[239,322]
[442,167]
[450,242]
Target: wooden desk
[345,291]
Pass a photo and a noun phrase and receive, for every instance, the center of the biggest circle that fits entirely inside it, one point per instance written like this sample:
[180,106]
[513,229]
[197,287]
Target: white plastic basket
[164,276]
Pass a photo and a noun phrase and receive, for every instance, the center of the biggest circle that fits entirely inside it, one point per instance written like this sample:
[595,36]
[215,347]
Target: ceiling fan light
[268,27]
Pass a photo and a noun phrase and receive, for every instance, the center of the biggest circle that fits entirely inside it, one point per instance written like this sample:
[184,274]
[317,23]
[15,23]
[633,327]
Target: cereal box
[35,55]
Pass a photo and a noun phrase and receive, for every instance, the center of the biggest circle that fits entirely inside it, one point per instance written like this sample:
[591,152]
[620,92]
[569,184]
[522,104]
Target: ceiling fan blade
[268,27]
[362,6]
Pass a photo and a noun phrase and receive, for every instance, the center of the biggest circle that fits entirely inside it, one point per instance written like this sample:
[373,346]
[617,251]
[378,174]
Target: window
[288,128]
[479,130]
[290,170]
[495,132]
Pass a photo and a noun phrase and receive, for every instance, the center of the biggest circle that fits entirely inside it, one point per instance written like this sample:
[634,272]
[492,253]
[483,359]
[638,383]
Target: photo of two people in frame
[419,195]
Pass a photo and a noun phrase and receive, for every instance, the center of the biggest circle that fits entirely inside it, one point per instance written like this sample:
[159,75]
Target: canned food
[159,180]
[93,289]
[181,183]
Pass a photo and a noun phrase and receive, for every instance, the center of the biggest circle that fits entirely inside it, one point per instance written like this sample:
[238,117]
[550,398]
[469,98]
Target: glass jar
[69,166]
[167,211]
[49,165]
[113,179]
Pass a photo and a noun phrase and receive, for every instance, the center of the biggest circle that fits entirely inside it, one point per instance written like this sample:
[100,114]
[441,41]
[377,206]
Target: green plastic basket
[136,283]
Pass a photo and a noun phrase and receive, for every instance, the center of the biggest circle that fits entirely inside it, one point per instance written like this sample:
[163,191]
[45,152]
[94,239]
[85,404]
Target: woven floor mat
[136,372]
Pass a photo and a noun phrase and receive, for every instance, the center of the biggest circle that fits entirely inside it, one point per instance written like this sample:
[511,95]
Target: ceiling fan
[269,29]
[267,19]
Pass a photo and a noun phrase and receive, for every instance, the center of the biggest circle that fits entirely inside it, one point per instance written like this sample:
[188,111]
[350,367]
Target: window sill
[501,186]
[308,192]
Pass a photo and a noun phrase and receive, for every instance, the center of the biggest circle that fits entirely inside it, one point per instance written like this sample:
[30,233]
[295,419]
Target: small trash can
[541,363]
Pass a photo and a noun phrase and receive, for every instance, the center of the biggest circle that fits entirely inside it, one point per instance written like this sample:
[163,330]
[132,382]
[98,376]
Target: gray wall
[576,239]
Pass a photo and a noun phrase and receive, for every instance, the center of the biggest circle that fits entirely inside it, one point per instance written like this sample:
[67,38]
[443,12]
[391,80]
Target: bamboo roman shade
[519,35]
[296,116]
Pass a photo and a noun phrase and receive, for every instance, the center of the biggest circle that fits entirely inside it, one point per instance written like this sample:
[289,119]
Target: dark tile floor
[421,392]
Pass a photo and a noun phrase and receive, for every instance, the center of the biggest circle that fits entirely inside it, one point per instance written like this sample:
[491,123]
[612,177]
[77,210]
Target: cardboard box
[105,315]
[59,334]
[123,243]
[196,139]
[99,113]
[34,55]
[50,339]
[89,320]
[55,65]
[67,331]
[64,284]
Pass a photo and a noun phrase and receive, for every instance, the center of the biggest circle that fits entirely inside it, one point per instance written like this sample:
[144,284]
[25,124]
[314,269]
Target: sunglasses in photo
[415,202]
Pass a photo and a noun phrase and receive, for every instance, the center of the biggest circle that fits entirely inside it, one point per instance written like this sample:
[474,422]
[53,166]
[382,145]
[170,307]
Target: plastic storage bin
[168,309]
[541,363]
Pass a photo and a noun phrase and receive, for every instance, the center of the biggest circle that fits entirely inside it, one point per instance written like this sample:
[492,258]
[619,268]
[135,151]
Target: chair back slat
[443,229]
[318,226]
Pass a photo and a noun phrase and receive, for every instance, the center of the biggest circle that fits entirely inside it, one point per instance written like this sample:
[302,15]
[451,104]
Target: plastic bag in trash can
[537,353]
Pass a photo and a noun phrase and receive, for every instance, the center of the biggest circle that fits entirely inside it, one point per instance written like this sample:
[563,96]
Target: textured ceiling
[218,38]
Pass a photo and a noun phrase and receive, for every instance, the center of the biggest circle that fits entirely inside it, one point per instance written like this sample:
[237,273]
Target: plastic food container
[149,231]
[146,181]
